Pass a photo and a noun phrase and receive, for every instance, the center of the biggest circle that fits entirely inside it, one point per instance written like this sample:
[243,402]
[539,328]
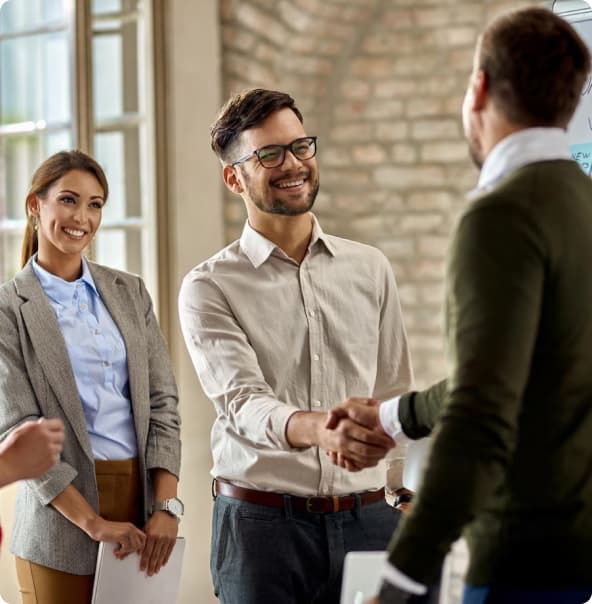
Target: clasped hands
[355,438]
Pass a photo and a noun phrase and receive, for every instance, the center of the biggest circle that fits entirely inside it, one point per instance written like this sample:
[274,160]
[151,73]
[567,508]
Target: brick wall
[381,83]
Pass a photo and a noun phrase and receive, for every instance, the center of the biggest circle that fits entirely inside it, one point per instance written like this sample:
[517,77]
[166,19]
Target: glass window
[21,15]
[121,108]
[35,107]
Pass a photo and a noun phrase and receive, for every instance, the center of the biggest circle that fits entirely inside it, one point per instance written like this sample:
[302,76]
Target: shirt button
[316,357]
[83,307]
[311,313]
[316,403]
[78,286]
[97,332]
[106,363]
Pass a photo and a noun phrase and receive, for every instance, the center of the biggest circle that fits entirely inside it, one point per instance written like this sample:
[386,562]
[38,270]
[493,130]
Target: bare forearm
[71,504]
[303,429]
[165,484]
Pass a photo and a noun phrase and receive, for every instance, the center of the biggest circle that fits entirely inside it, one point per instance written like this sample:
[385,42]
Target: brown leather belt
[314,504]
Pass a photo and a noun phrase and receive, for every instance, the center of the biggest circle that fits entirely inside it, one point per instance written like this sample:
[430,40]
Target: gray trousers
[264,555]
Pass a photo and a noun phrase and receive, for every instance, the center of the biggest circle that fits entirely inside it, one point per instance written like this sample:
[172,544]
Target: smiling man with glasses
[281,325]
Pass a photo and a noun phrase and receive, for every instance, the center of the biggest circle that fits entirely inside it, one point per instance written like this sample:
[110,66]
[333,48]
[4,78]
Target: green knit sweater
[511,462]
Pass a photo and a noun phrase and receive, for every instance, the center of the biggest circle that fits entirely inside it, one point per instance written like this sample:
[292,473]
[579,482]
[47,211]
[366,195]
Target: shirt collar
[258,248]
[522,148]
[56,288]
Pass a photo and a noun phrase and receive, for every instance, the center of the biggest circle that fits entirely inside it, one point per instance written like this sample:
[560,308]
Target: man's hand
[362,446]
[30,450]
[361,411]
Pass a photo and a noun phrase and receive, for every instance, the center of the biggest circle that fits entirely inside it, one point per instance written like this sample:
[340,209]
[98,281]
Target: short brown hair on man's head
[536,65]
[245,110]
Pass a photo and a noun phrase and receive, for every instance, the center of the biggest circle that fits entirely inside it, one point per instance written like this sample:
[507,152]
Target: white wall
[195,221]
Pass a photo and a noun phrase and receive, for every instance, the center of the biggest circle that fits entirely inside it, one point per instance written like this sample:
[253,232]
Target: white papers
[122,582]
[361,576]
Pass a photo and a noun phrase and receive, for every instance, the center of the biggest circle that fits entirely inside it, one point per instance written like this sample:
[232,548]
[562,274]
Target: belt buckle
[310,504]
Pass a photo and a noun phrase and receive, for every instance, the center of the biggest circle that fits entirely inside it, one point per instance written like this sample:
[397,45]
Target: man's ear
[231,179]
[480,90]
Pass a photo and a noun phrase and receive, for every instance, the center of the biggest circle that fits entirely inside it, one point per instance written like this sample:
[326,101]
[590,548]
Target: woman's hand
[161,532]
[129,537]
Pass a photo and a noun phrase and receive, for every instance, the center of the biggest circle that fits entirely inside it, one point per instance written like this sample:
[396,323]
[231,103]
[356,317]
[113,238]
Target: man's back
[545,500]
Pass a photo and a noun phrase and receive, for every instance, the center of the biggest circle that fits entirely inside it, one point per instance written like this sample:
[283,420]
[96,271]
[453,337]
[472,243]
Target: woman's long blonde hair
[52,169]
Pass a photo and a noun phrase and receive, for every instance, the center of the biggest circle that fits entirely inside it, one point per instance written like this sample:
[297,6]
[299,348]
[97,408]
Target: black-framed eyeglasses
[272,156]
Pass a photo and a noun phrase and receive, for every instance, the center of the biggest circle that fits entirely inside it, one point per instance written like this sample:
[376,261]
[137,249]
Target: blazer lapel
[123,309]
[50,349]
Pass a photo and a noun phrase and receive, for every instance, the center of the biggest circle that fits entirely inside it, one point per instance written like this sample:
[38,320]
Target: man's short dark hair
[536,65]
[245,110]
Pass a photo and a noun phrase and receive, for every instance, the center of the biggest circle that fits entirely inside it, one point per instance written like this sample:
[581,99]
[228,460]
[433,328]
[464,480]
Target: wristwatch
[402,496]
[173,506]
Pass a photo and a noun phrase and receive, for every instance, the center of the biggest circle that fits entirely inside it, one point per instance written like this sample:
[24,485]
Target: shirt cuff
[395,577]
[389,418]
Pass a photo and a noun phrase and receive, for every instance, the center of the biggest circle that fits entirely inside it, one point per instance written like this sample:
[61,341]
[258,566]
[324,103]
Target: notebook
[361,576]
[122,582]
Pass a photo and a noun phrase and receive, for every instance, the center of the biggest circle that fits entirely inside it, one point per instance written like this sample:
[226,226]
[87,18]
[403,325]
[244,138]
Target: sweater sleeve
[419,411]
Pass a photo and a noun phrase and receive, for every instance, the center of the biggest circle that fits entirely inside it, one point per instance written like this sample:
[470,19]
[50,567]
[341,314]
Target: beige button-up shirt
[269,337]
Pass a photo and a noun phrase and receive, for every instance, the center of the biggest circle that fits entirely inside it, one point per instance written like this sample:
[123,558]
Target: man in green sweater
[511,463]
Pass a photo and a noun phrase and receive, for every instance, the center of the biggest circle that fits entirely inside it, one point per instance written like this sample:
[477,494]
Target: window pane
[100,7]
[35,79]
[119,248]
[20,155]
[122,102]
[19,15]
[10,253]
[116,64]
[106,6]
[119,154]
[110,248]
[107,84]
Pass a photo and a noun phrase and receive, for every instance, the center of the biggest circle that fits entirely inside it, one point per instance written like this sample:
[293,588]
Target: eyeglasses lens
[274,155]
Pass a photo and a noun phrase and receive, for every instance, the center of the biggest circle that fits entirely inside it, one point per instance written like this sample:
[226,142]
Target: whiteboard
[579,14]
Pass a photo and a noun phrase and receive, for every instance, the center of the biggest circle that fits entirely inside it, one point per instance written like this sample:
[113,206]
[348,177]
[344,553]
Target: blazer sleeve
[19,403]
[163,449]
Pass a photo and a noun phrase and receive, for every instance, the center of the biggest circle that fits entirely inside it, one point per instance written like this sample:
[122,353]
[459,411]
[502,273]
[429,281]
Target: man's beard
[474,152]
[280,206]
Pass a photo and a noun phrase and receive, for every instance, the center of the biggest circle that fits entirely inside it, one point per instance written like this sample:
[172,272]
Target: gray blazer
[36,379]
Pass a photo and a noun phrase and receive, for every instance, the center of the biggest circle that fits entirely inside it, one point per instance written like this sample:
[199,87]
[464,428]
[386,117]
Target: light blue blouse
[99,362]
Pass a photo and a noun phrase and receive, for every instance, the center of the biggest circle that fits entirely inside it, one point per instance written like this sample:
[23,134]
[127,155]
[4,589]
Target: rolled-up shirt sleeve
[227,366]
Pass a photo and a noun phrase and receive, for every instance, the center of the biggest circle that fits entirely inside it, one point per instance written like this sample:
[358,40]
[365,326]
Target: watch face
[176,507]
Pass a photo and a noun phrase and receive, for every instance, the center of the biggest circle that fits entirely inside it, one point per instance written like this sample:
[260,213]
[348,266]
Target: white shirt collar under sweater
[519,149]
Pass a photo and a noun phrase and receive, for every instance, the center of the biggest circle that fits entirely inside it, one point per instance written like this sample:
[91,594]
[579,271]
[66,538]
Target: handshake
[353,436]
